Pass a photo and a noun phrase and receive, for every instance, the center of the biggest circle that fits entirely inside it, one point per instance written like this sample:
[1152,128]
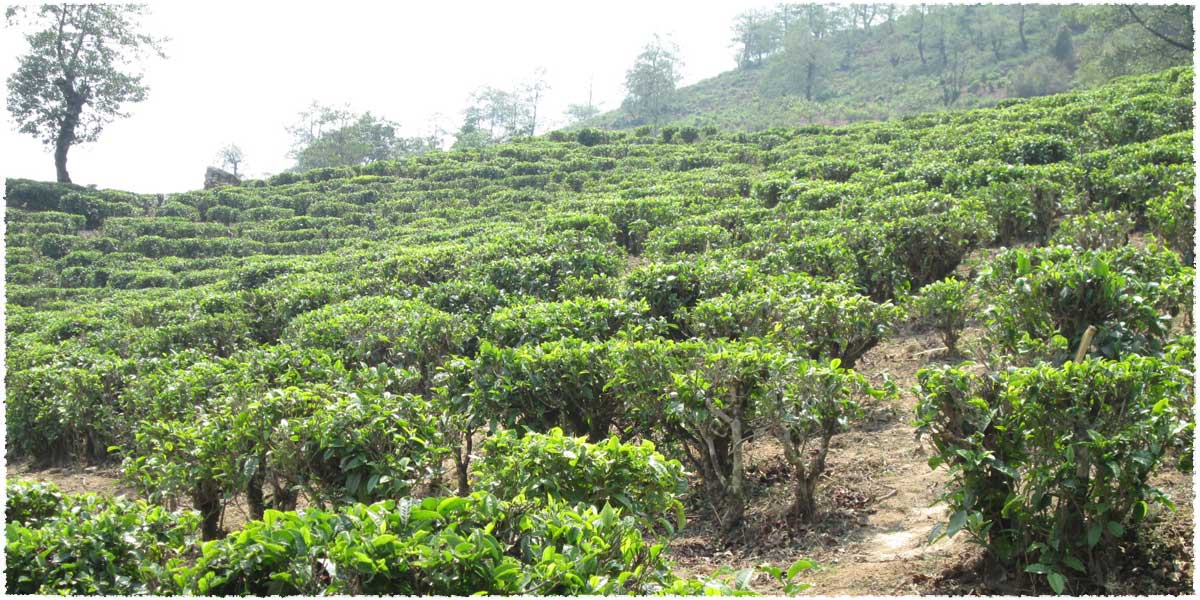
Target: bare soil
[877,502]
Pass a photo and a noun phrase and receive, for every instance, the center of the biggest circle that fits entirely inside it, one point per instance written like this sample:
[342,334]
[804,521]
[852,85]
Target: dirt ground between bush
[877,504]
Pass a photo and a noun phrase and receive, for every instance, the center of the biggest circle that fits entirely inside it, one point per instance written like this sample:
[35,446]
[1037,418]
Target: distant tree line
[329,136]
[804,44]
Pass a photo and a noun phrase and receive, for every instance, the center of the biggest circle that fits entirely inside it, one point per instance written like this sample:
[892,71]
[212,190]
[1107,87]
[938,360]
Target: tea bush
[1049,465]
[632,477]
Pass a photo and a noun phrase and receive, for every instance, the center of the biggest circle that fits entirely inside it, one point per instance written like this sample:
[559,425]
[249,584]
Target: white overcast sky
[240,72]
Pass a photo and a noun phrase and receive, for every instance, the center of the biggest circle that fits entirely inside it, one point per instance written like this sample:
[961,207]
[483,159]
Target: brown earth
[877,503]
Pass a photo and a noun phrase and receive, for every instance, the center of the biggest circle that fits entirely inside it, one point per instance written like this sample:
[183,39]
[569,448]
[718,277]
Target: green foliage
[650,82]
[359,448]
[686,240]
[581,318]
[347,328]
[824,321]
[1094,231]
[380,330]
[833,64]
[1042,301]
[1170,218]
[31,503]
[67,407]
[818,401]
[1049,465]
[554,384]
[632,477]
[944,306]
[90,544]
[328,137]
[442,546]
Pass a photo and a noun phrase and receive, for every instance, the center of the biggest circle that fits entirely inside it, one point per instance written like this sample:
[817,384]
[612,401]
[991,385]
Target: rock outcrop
[214,178]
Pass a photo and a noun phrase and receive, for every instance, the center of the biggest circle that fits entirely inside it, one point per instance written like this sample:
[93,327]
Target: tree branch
[1158,35]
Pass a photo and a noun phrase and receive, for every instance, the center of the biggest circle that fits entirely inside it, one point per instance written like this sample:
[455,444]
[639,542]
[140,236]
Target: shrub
[817,401]
[179,209]
[725,391]
[822,321]
[911,251]
[1046,463]
[440,546]
[667,241]
[632,477]
[1021,211]
[67,407]
[665,288]
[359,448]
[581,318]
[92,545]
[770,191]
[377,330]
[944,306]
[1095,231]
[597,226]
[1037,150]
[555,384]
[37,195]
[590,137]
[1172,218]
[30,503]
[1043,300]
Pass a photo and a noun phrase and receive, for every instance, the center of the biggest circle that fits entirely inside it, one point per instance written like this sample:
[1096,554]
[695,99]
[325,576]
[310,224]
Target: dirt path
[890,553]
[877,503]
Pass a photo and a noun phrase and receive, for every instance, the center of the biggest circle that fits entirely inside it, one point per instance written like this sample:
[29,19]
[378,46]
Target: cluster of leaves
[453,546]
[338,334]
[1050,465]
[443,546]
[632,477]
[64,544]
[944,306]
[1042,301]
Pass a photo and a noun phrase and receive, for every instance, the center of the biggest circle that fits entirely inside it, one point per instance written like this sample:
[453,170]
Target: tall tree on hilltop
[231,156]
[74,80]
[650,83]
[326,136]
[807,62]
[758,33]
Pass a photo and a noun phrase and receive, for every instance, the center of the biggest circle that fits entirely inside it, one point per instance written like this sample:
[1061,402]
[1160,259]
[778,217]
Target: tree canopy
[75,79]
[650,83]
[326,136]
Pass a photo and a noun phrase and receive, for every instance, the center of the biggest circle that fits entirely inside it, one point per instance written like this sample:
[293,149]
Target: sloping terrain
[348,336]
[950,57]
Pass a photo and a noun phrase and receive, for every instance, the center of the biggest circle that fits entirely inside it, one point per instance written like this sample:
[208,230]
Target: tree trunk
[598,428]
[254,493]
[1021,30]
[736,499]
[804,508]
[462,462]
[808,82]
[206,499]
[74,102]
[60,159]
[282,498]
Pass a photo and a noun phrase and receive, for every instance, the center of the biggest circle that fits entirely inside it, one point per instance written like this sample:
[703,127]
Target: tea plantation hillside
[518,369]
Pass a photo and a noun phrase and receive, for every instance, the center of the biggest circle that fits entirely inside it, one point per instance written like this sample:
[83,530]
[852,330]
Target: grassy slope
[871,88]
